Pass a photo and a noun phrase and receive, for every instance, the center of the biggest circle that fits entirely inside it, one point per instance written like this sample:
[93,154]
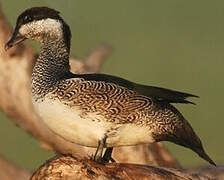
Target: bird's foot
[106,158]
[107,155]
[99,151]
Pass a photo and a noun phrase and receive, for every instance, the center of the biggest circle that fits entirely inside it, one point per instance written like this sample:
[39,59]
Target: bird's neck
[51,66]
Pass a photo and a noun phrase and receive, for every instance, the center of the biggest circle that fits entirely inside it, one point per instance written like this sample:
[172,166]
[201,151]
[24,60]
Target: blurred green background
[174,44]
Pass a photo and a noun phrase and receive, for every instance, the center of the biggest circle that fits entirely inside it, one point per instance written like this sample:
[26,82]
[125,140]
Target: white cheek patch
[50,26]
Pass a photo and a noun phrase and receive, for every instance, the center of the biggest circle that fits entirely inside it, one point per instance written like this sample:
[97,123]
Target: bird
[97,110]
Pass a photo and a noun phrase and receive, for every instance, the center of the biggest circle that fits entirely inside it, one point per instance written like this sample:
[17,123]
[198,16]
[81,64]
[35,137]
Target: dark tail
[195,144]
[186,136]
[204,155]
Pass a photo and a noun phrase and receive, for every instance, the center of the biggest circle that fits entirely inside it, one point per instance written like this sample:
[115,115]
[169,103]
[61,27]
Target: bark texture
[71,168]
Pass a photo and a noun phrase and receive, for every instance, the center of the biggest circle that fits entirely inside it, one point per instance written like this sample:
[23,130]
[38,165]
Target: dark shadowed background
[174,44]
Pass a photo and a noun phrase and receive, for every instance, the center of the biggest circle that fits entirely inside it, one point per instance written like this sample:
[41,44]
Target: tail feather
[204,155]
[192,141]
[185,136]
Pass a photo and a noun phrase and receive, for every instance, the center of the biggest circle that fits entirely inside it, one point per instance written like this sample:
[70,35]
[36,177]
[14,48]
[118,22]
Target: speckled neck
[51,67]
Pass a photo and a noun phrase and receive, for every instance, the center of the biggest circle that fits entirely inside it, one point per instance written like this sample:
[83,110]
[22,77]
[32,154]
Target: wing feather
[159,94]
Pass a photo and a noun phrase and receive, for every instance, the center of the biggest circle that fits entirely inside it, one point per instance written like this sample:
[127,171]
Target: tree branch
[9,171]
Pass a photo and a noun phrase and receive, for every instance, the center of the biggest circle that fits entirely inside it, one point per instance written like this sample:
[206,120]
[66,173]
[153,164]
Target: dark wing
[157,93]
[164,95]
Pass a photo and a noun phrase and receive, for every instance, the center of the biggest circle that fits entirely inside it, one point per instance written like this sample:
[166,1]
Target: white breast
[87,130]
[68,122]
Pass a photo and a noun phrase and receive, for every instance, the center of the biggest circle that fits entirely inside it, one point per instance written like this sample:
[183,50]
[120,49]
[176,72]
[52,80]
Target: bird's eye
[28,18]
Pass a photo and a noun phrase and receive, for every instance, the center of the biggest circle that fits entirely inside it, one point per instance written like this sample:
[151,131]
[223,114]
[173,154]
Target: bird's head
[41,24]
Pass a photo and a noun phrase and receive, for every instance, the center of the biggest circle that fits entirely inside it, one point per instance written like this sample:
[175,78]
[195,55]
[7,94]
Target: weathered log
[71,168]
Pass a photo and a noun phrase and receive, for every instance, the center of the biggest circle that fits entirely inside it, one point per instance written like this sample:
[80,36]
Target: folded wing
[156,93]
